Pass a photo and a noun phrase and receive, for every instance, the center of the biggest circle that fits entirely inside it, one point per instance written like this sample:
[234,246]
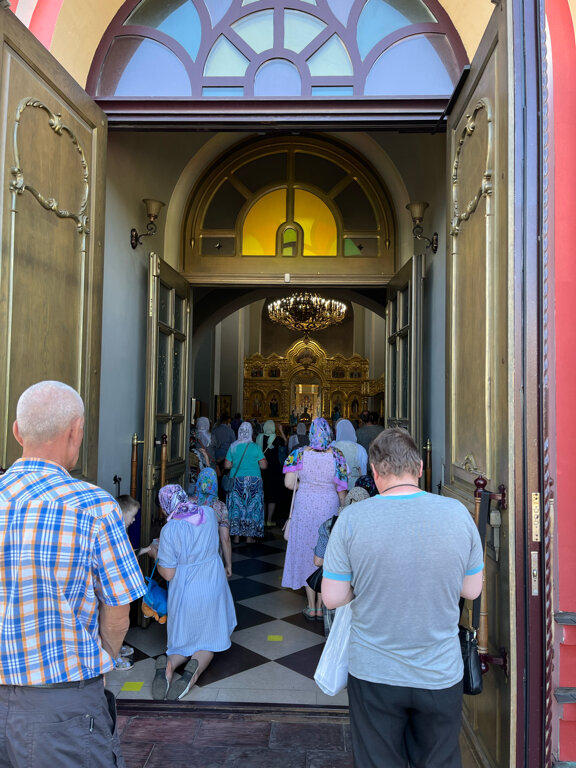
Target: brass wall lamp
[152,210]
[417,213]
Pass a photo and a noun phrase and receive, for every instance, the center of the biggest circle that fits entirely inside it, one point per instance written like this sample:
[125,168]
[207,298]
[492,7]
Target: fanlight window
[278,49]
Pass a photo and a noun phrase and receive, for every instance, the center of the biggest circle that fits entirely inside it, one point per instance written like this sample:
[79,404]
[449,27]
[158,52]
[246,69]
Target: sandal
[179,688]
[319,613]
[309,613]
[160,683]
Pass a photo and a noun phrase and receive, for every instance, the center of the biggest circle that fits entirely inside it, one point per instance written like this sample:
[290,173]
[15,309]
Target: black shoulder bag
[472,681]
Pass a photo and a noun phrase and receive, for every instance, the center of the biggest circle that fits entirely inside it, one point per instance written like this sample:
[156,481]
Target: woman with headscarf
[206,495]
[300,439]
[354,453]
[201,614]
[318,471]
[245,501]
[204,437]
[270,443]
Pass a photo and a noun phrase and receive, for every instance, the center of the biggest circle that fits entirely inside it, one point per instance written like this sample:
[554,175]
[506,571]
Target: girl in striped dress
[201,614]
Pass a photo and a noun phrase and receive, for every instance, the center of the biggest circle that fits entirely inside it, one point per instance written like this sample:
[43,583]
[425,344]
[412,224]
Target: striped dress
[201,614]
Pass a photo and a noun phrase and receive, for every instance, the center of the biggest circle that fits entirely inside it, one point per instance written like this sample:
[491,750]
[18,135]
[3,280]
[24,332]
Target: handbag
[472,680]
[286,526]
[228,480]
[155,601]
[314,581]
[331,673]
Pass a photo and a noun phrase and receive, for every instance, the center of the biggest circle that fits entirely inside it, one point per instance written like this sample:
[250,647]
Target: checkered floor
[274,652]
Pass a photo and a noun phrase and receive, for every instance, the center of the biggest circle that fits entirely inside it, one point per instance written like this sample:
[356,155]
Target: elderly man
[404,557]
[67,577]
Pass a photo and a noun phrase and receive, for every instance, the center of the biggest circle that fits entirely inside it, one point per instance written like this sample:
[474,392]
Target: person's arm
[342,497]
[224,533]
[336,592]
[166,573]
[114,621]
[318,561]
[472,585]
[227,464]
[263,463]
[291,480]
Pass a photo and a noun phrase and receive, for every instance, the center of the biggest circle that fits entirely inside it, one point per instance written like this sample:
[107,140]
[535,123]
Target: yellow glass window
[318,223]
[261,224]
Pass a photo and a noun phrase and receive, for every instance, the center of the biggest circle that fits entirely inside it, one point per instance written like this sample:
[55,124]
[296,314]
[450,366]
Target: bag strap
[482,523]
[150,577]
[240,462]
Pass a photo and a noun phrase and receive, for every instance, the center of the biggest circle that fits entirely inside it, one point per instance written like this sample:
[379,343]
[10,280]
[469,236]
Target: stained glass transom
[278,49]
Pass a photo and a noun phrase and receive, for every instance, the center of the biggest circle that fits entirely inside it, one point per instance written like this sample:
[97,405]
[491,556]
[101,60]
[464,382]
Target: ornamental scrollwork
[18,184]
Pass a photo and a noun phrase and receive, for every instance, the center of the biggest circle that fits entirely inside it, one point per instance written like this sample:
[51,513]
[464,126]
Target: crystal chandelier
[306,312]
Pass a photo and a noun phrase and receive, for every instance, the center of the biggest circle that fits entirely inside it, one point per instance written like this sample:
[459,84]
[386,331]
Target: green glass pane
[361,246]
[300,29]
[332,90]
[331,59]
[162,374]
[164,305]
[177,18]
[289,242]
[225,60]
[257,30]
[382,17]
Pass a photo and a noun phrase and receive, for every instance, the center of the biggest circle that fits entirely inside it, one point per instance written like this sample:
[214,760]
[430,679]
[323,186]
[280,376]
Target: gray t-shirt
[406,557]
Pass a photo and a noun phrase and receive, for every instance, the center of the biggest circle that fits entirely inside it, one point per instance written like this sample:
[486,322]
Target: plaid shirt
[63,549]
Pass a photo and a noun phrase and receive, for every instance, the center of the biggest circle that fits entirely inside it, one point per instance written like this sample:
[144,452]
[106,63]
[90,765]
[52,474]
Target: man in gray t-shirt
[405,557]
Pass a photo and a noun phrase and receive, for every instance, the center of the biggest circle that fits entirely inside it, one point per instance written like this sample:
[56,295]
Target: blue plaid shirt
[63,549]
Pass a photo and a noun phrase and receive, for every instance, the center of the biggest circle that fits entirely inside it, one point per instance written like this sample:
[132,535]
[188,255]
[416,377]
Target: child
[129,508]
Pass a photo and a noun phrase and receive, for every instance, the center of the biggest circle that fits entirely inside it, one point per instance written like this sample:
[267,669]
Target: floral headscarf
[367,482]
[320,440]
[345,431]
[355,494]
[177,506]
[206,487]
[244,434]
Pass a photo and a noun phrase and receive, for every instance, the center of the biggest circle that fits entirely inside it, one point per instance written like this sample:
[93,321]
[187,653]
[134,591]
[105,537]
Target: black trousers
[396,727]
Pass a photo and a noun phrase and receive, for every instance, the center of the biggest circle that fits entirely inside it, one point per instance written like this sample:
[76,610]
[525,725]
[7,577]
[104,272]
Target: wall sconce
[417,213]
[152,210]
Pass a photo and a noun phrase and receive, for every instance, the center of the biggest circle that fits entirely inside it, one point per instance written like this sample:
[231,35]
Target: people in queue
[222,438]
[245,501]
[368,429]
[300,438]
[354,453]
[206,495]
[401,550]
[201,614]
[67,577]
[317,475]
[272,446]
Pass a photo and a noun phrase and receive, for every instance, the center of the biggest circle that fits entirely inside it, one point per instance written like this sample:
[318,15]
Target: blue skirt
[246,507]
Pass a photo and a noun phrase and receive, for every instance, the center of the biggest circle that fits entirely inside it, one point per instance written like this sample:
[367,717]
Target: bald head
[46,410]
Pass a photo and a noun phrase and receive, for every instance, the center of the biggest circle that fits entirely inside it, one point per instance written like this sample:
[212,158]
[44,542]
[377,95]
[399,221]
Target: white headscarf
[345,431]
[203,431]
[244,434]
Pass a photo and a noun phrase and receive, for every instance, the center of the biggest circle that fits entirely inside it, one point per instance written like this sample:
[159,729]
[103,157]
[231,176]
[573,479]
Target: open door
[404,349]
[52,166]
[479,365]
[166,423]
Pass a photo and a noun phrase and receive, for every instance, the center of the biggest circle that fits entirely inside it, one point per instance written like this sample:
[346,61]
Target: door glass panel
[175,441]
[405,303]
[177,377]
[404,393]
[393,379]
[162,376]
[164,305]
[179,313]
[161,429]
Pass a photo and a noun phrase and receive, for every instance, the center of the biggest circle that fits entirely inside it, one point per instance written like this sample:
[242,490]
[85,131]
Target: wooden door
[480,358]
[167,376]
[404,349]
[52,166]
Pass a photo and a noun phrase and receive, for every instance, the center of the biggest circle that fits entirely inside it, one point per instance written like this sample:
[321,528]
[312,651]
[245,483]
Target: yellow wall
[76,35]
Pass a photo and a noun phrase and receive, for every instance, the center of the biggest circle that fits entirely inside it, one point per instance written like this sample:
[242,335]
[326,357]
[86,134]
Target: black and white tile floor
[274,652]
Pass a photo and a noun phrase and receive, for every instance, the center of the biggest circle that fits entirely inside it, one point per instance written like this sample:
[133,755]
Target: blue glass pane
[217,9]
[341,9]
[277,77]
[223,92]
[300,29]
[331,59]
[142,68]
[225,60]
[257,30]
[379,18]
[332,90]
[177,18]
[412,67]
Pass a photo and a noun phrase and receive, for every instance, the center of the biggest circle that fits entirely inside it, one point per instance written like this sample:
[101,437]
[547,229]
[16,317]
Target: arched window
[291,202]
[278,49]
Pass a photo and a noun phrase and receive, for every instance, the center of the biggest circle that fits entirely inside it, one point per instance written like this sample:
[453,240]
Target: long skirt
[245,504]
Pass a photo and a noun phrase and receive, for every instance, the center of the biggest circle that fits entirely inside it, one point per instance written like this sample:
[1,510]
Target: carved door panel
[404,353]
[479,356]
[167,363]
[53,151]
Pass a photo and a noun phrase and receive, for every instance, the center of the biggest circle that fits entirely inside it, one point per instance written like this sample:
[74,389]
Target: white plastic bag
[331,673]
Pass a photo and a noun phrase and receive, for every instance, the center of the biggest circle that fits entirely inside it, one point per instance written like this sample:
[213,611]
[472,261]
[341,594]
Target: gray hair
[47,409]
[394,452]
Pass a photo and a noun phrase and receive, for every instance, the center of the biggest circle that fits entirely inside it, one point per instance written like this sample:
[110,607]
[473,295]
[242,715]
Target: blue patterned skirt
[246,507]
